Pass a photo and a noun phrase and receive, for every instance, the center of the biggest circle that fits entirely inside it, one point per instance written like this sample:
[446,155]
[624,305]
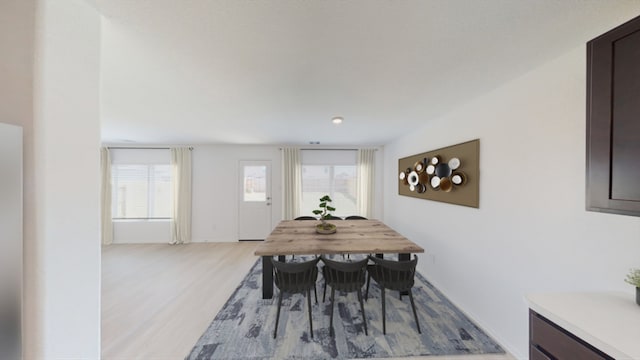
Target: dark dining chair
[332,217]
[393,275]
[295,278]
[346,277]
[306,218]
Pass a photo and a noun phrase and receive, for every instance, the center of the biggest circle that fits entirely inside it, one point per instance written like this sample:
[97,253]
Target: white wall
[215,195]
[64,259]
[531,232]
[216,189]
[141,231]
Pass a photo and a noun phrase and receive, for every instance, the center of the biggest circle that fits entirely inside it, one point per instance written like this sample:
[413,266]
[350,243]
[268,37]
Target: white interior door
[254,218]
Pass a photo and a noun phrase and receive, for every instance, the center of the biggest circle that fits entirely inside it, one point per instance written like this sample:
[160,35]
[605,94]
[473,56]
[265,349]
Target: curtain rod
[329,149]
[142,148]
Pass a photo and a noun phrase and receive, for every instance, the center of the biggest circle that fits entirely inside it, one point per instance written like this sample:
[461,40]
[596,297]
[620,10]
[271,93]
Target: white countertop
[610,321]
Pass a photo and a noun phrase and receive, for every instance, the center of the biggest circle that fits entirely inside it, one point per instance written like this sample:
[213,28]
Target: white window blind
[141,180]
[331,172]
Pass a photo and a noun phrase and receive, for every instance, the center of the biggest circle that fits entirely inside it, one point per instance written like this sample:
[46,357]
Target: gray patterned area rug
[243,329]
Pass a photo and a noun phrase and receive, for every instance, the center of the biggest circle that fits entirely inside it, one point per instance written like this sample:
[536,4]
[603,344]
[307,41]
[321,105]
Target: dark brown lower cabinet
[547,340]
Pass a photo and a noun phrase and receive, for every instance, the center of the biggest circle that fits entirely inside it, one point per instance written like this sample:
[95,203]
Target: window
[331,172]
[255,183]
[140,190]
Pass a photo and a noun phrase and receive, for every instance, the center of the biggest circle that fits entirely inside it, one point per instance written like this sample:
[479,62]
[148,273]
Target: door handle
[268,204]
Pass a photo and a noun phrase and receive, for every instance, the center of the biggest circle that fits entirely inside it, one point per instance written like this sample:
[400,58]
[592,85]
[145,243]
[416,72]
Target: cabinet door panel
[536,354]
[625,127]
[558,342]
[613,121]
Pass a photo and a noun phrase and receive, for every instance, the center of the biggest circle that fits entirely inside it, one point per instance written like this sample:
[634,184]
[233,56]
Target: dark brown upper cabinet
[613,121]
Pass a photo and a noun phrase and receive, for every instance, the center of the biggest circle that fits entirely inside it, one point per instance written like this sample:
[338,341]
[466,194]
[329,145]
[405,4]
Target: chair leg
[275,332]
[309,305]
[333,300]
[368,281]
[364,318]
[324,292]
[384,314]
[315,293]
[415,315]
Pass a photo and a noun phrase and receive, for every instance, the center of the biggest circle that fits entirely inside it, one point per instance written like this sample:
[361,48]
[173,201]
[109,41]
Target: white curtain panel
[106,223]
[181,179]
[365,181]
[292,180]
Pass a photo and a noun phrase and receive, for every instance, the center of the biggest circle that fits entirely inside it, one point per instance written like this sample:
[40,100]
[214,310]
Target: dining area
[295,256]
[355,293]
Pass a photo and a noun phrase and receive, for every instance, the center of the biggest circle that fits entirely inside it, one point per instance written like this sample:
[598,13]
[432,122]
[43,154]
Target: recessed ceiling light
[337,120]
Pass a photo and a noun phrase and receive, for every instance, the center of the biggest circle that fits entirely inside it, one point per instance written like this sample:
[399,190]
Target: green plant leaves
[325,209]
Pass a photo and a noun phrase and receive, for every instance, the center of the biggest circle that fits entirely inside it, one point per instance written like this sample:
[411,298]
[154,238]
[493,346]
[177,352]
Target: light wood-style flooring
[158,299]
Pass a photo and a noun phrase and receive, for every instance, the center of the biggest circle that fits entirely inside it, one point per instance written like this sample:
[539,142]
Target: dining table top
[299,237]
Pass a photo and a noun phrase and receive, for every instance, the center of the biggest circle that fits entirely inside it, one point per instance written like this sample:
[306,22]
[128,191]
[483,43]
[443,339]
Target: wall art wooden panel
[450,174]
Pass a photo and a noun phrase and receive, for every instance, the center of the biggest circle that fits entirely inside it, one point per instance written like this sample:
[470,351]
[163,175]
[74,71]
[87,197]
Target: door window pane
[255,183]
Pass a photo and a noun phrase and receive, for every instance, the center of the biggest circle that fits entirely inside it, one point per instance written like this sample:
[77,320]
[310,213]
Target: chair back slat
[394,275]
[306,218]
[295,277]
[333,217]
[345,276]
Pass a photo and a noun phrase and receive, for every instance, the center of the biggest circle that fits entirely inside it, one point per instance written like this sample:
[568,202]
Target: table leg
[267,277]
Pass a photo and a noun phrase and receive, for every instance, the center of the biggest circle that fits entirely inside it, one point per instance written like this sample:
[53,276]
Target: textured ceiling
[276,71]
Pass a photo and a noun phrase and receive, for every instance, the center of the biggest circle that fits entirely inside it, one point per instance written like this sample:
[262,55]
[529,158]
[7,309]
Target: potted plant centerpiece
[633,278]
[325,213]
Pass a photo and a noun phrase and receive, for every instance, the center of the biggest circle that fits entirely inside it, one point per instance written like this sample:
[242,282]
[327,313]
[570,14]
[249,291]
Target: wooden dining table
[299,237]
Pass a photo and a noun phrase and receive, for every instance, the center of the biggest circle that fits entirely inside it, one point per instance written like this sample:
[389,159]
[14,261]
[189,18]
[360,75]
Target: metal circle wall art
[449,174]
[413,178]
[433,173]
